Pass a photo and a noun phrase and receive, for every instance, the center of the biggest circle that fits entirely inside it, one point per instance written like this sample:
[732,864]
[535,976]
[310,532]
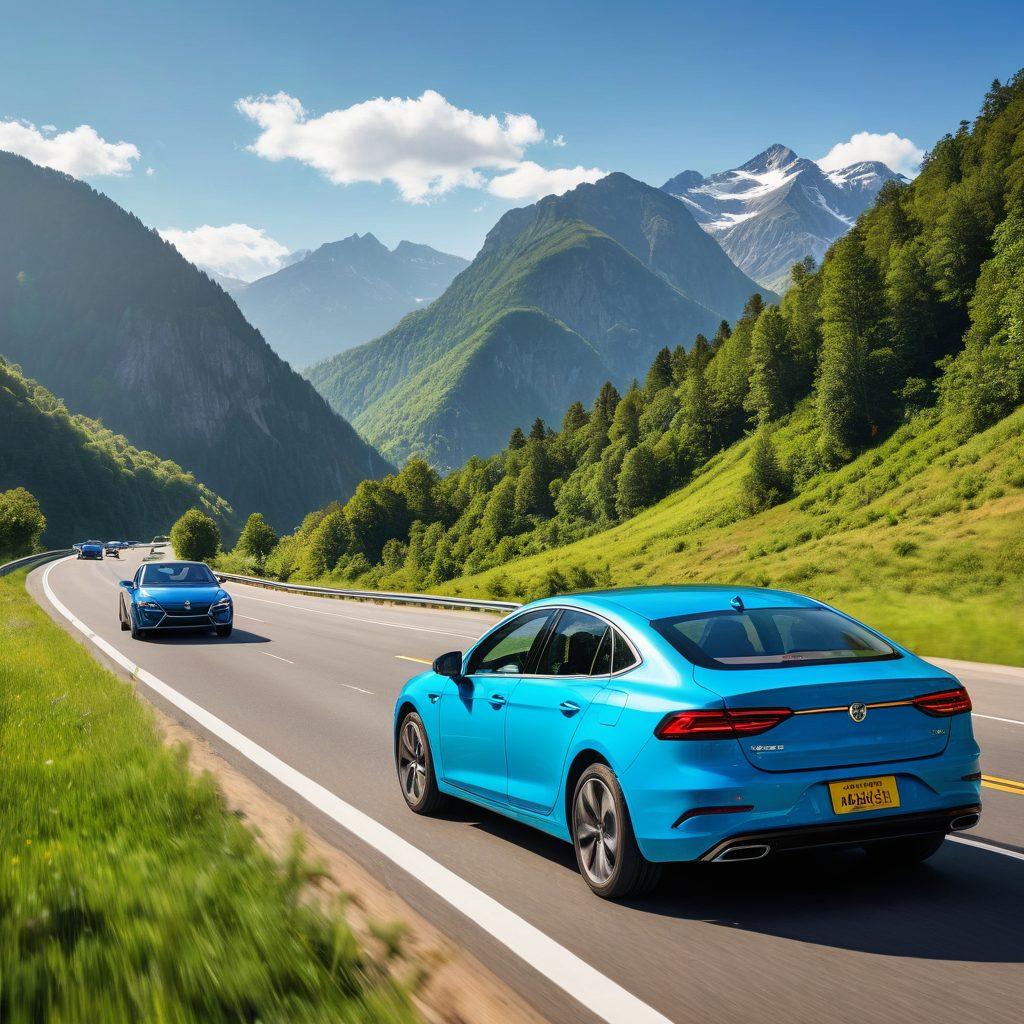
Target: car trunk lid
[822,732]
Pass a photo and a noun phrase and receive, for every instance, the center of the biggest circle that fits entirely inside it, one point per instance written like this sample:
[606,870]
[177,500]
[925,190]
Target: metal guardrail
[427,600]
[38,559]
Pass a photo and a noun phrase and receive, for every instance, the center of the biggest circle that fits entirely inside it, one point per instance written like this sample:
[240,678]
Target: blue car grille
[196,609]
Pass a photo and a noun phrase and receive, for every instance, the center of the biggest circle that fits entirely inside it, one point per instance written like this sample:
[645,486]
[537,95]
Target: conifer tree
[660,373]
[770,394]
[765,483]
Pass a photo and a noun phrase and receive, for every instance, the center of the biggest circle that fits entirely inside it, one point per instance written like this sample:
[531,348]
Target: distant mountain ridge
[342,294]
[114,321]
[778,207]
[611,271]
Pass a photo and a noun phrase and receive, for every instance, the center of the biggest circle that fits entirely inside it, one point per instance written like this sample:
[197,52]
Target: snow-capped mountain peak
[778,207]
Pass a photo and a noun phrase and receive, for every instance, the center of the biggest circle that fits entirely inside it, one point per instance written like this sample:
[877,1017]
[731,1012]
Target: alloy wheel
[597,830]
[412,766]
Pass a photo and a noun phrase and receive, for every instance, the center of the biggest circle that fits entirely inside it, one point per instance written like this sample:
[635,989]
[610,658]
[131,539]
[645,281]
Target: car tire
[602,835]
[223,630]
[137,634]
[414,762]
[904,852]
[120,617]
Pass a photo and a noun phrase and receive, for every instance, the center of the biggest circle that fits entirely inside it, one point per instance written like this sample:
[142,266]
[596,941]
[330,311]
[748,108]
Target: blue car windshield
[171,574]
[771,637]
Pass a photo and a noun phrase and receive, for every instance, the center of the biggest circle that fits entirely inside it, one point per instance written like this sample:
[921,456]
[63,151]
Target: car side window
[575,646]
[622,654]
[507,650]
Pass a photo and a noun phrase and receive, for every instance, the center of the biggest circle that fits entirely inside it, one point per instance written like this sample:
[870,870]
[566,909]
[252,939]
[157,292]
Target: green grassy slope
[128,892]
[921,537]
[449,410]
[89,480]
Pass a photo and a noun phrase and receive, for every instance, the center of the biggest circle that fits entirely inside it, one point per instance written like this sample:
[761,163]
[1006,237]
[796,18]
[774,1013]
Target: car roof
[666,601]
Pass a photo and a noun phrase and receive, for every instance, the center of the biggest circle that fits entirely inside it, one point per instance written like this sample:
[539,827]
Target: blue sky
[647,88]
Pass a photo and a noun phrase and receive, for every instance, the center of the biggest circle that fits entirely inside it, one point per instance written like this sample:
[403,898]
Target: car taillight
[720,724]
[944,704]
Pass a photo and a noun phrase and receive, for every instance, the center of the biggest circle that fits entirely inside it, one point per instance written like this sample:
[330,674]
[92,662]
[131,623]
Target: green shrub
[195,536]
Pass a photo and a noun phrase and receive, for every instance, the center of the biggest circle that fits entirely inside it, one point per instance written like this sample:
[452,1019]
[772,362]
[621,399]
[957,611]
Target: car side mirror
[128,584]
[449,665]
[220,579]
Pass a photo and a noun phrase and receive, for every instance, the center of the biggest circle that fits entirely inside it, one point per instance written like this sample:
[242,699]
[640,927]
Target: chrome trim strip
[846,707]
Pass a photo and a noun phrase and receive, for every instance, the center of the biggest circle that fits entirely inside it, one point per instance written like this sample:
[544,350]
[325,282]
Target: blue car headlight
[221,607]
[149,606]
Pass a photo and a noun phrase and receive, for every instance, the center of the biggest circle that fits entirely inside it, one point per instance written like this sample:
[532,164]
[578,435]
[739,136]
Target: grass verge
[127,890]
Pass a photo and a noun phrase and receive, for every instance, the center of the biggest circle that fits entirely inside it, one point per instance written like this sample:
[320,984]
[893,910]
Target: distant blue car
[89,549]
[167,596]
[693,723]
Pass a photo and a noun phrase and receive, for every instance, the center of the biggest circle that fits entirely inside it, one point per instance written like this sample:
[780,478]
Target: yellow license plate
[875,794]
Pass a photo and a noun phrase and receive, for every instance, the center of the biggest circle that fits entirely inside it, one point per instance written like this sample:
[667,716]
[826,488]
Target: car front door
[473,707]
[547,706]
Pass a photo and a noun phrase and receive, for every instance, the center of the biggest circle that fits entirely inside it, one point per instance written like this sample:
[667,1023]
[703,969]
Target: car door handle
[570,707]
[433,697]
[496,700]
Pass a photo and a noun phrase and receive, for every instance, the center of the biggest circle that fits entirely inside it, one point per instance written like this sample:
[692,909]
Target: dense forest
[919,309]
[88,479]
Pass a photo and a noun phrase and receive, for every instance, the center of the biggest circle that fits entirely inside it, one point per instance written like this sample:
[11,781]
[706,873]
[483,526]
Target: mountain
[113,320]
[778,208]
[609,273]
[343,294]
[89,480]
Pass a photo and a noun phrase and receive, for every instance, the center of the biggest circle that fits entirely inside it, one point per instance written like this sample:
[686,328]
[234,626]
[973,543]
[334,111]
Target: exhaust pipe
[735,853]
[964,821]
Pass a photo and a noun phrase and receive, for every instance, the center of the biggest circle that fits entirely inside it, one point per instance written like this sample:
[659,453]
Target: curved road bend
[314,681]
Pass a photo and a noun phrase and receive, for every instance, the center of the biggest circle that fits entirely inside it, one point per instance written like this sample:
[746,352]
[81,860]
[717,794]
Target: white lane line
[267,654]
[358,689]
[599,994]
[985,846]
[993,718]
[356,618]
[239,615]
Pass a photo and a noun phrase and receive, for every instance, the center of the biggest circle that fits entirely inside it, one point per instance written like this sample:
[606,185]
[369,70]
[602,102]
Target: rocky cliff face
[112,319]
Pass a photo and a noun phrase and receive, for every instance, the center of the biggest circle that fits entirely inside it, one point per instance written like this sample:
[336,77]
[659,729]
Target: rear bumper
[844,833]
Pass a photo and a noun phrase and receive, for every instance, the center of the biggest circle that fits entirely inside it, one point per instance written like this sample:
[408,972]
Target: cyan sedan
[693,723]
[173,596]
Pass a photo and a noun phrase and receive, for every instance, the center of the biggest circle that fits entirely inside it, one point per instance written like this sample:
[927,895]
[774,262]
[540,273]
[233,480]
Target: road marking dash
[993,718]
[605,998]
[419,661]
[267,654]
[985,846]
[358,689]
[252,618]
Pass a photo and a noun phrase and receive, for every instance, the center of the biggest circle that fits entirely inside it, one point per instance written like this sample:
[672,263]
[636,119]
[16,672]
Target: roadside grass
[922,537]
[128,891]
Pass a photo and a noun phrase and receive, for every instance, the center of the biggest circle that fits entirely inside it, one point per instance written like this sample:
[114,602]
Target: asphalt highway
[819,938]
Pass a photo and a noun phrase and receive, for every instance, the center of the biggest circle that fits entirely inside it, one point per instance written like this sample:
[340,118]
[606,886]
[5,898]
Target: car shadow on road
[957,906]
[960,905]
[238,636]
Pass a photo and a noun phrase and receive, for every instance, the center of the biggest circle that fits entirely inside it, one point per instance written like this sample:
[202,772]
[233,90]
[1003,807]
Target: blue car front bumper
[159,619]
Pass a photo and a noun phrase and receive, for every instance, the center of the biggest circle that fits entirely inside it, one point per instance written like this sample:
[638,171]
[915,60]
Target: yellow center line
[1003,785]
[419,661]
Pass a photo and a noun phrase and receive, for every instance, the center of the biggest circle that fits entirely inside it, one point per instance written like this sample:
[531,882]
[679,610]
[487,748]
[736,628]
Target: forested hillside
[89,480]
[879,395]
[111,319]
[618,265]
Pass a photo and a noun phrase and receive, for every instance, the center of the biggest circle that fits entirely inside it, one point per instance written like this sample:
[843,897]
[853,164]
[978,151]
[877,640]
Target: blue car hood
[175,597]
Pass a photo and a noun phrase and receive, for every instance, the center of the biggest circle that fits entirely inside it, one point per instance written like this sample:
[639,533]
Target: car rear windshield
[771,637]
[186,574]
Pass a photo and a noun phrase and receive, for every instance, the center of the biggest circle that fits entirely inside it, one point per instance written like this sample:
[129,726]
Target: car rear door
[548,704]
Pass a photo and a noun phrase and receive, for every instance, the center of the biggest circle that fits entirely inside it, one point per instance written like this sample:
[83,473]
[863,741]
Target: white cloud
[236,250]
[531,181]
[80,152]
[425,146]
[558,140]
[150,172]
[897,153]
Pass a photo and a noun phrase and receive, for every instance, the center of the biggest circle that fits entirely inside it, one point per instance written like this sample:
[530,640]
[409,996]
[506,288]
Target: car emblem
[858,711]
[188,604]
